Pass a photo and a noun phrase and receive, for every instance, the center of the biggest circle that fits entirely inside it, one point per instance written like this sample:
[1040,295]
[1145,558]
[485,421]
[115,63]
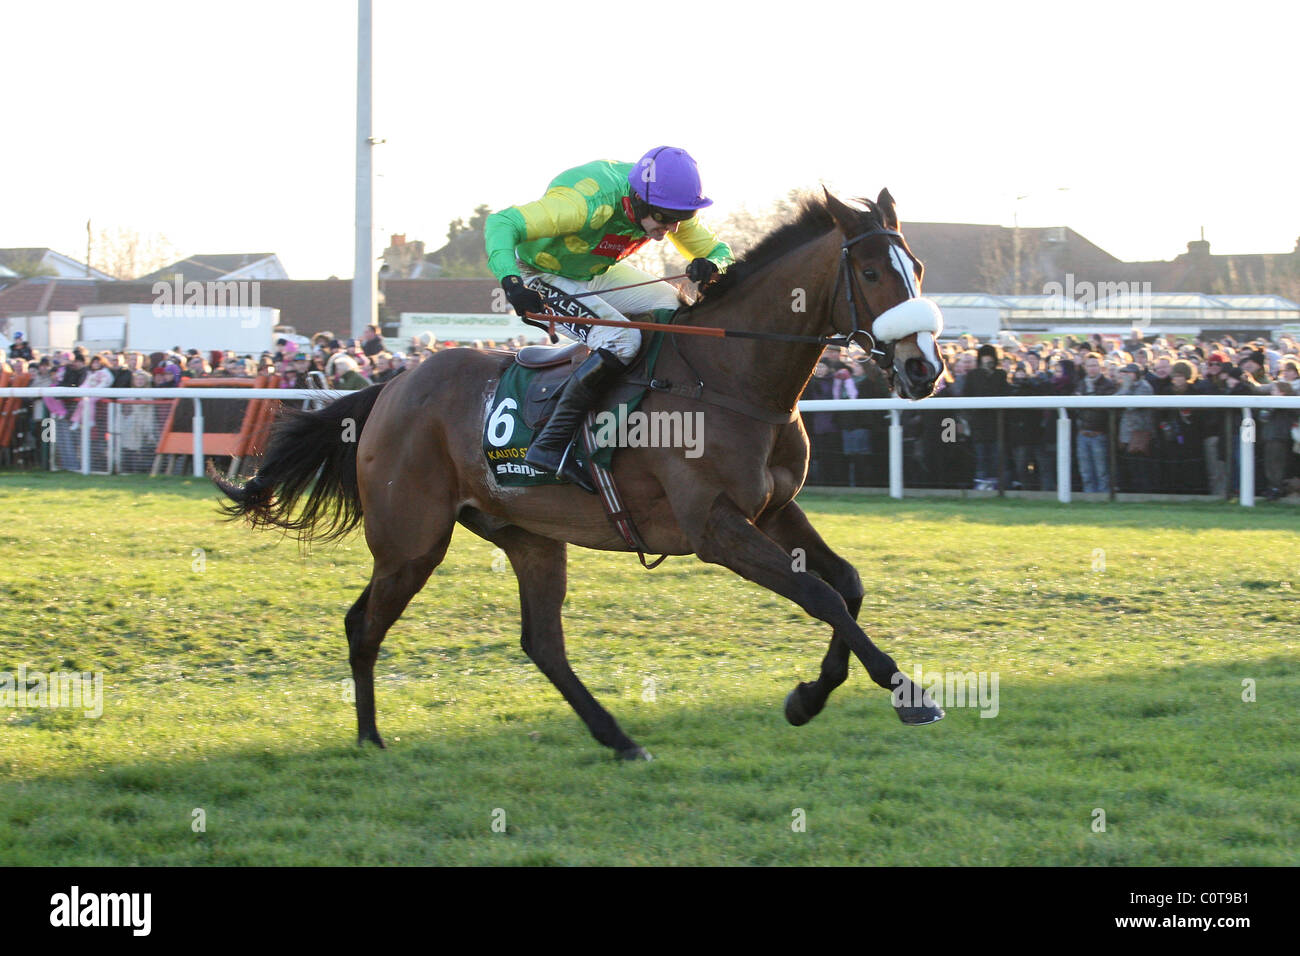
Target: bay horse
[406,456]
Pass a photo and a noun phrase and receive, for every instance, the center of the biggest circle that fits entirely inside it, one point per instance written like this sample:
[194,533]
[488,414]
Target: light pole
[363,270]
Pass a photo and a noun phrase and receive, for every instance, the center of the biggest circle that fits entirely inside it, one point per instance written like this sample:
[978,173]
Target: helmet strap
[637,209]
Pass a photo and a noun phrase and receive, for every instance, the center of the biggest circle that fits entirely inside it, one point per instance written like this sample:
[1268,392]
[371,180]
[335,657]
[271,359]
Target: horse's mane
[812,220]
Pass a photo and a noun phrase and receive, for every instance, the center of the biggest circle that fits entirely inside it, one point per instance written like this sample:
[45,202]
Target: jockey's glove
[522,298]
[701,271]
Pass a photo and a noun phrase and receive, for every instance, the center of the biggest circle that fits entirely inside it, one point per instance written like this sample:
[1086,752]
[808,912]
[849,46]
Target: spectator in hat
[346,375]
[1254,364]
[20,349]
[166,375]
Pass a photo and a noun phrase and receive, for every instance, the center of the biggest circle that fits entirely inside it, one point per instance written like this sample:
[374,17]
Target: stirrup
[570,469]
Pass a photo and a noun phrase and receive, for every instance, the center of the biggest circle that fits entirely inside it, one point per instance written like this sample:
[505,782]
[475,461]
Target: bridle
[883,357]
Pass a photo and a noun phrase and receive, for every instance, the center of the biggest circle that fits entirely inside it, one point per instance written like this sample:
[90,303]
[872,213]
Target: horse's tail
[312,457]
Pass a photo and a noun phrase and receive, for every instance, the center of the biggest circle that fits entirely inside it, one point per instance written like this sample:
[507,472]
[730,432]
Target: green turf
[1121,636]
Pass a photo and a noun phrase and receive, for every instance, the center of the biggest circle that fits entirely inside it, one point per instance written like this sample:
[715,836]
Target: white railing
[196,395]
[1064,448]
[894,406]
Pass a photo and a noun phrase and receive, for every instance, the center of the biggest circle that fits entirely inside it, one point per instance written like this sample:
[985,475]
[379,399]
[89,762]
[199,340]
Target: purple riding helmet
[668,178]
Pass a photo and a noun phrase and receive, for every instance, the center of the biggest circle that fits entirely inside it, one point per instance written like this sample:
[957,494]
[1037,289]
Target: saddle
[551,365]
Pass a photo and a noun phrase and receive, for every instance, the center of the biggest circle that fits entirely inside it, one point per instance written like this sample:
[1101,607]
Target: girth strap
[700,393]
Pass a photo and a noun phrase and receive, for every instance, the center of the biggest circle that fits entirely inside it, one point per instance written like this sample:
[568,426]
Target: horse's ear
[885,204]
[848,219]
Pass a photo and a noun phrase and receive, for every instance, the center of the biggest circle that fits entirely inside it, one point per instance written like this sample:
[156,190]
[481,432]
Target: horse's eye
[871,275]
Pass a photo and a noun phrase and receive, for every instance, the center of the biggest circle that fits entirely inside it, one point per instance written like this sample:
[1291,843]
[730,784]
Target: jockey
[571,241]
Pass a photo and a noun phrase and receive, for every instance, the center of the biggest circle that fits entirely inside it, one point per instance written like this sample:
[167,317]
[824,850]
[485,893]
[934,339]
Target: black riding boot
[583,389]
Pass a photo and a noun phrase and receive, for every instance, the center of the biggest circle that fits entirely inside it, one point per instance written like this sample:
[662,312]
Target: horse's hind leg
[791,529]
[540,565]
[390,589]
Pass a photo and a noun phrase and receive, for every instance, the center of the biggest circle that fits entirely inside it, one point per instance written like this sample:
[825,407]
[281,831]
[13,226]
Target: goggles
[666,217]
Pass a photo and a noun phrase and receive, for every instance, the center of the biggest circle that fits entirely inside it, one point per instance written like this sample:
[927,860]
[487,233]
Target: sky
[230,127]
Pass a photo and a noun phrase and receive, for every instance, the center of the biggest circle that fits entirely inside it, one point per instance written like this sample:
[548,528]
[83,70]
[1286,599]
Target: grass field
[1121,636]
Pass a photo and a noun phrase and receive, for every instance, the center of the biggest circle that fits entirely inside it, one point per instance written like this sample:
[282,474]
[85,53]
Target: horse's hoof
[635,753]
[795,712]
[917,716]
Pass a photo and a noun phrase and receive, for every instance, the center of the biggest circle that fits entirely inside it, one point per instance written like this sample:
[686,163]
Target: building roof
[207,267]
[64,266]
[49,294]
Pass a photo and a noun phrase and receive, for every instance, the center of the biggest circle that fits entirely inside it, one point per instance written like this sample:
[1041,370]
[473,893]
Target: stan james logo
[103,909]
[57,689]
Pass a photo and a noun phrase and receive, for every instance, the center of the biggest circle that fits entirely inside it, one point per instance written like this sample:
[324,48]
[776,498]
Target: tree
[999,271]
[124,253]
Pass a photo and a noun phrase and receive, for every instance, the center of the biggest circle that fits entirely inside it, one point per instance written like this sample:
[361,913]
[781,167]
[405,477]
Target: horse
[406,458]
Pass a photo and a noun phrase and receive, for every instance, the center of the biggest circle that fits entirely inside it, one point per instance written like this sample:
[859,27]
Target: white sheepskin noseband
[913,315]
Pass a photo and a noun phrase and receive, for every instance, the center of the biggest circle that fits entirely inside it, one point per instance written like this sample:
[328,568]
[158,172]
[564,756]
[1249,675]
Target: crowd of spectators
[1166,450]
[323,361]
[1182,451]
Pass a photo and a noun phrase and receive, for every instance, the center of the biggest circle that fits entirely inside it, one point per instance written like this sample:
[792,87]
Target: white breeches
[615,305]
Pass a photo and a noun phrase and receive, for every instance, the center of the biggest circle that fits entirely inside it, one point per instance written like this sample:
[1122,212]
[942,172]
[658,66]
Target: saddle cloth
[525,397]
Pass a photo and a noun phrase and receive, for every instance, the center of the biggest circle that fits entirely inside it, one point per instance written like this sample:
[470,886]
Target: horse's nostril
[916,369]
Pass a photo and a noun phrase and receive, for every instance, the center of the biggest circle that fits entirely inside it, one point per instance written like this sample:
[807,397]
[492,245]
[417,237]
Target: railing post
[1230,455]
[895,454]
[85,439]
[1063,435]
[1001,477]
[1247,482]
[110,436]
[1112,439]
[198,438]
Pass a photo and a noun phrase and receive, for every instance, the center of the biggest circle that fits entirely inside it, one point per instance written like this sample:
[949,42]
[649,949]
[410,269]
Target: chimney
[397,240]
[1199,247]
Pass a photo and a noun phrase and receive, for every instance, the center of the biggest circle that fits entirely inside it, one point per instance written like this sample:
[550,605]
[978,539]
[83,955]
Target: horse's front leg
[789,527]
[727,537]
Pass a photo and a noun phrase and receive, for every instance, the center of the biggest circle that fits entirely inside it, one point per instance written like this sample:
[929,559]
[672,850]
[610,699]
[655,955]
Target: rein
[698,392]
[842,340]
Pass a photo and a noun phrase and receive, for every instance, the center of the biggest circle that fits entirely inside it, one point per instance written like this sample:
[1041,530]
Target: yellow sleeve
[561,212]
[694,241]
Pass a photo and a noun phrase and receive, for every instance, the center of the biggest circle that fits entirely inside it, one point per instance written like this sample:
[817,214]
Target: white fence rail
[894,406]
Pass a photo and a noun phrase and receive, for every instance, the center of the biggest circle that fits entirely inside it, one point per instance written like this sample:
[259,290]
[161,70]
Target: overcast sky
[229,127]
